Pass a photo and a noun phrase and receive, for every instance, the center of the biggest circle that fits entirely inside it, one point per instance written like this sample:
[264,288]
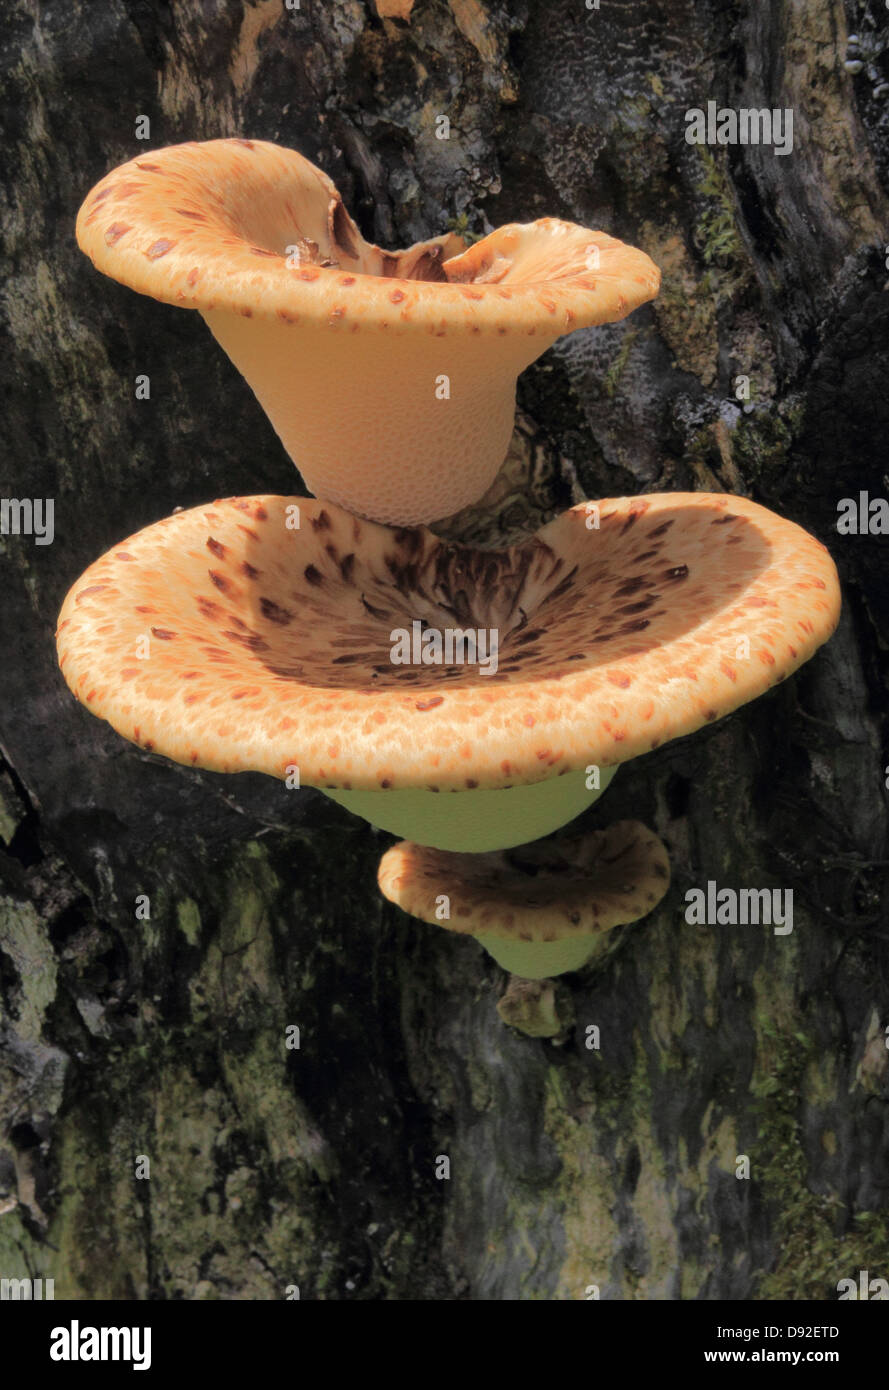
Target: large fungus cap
[389,375]
[620,625]
[539,910]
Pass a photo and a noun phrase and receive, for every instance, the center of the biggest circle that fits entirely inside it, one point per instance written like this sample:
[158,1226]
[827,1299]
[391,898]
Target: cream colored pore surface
[403,434]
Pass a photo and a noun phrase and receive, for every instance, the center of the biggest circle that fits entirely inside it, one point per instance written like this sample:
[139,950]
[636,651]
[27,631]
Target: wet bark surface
[123,1039]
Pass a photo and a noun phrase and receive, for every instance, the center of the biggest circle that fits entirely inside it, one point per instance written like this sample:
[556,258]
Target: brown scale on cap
[271,647]
[580,886]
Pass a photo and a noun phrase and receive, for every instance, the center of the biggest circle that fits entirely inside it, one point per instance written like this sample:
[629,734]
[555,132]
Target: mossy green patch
[616,369]
[188,919]
[460,227]
[812,1254]
[716,233]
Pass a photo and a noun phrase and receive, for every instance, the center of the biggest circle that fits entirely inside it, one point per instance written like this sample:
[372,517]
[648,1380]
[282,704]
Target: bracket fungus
[388,375]
[541,910]
[221,637]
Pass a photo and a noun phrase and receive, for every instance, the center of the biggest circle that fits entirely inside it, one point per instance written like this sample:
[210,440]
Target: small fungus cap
[545,892]
[223,637]
[206,225]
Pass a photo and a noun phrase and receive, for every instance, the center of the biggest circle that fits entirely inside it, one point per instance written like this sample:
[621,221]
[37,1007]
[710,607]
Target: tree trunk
[124,1039]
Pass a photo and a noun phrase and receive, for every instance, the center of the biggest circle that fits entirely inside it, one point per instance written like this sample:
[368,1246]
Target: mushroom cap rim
[337,298]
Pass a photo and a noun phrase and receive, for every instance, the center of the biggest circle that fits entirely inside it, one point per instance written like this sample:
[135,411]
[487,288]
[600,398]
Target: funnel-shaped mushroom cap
[389,375]
[394,670]
[539,910]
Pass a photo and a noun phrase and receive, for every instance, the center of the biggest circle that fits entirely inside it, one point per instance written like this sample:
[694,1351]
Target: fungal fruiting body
[470,701]
[389,376]
[619,626]
[541,910]
[481,819]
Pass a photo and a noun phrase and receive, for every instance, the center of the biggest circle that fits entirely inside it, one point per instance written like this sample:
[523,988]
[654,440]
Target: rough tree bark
[568,1166]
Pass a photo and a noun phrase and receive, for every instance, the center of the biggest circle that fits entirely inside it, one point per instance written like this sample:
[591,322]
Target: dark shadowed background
[166,1038]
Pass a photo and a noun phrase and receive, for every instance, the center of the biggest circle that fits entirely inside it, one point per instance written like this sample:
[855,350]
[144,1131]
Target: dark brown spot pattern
[609,642]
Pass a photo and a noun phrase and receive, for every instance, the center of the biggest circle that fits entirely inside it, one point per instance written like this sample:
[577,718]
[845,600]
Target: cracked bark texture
[569,1166]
